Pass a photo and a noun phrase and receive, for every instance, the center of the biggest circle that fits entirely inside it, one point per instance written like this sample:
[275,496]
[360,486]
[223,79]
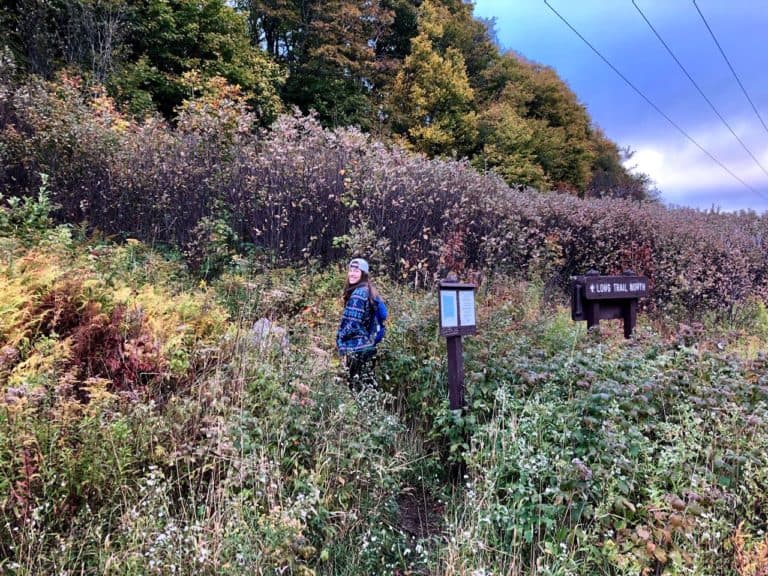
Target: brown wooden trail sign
[457,319]
[595,297]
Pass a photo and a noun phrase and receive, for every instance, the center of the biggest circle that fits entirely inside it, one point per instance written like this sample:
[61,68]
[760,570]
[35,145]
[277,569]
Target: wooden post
[593,308]
[593,314]
[630,317]
[455,373]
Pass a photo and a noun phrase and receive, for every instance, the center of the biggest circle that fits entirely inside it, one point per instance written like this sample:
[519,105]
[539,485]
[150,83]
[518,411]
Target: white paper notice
[448,309]
[467,307]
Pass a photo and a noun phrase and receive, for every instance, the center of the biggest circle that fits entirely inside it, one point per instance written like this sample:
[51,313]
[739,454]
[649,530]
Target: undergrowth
[152,423]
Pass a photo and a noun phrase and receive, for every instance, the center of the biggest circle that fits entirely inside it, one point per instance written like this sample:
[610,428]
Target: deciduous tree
[611,178]
[333,49]
[47,34]
[172,37]
[432,102]
[510,147]
[551,128]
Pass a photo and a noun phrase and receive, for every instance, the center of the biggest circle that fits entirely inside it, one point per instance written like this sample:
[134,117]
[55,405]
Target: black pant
[360,369]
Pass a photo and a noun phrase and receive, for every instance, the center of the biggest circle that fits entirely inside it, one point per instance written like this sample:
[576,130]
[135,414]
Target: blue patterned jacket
[353,334]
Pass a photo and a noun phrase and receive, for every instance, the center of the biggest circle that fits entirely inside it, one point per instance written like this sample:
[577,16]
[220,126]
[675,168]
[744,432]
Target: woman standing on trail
[356,338]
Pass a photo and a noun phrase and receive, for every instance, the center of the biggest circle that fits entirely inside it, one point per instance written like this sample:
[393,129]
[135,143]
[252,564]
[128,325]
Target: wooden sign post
[595,298]
[457,319]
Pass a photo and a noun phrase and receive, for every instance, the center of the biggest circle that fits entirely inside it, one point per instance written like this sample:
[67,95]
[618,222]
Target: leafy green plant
[28,218]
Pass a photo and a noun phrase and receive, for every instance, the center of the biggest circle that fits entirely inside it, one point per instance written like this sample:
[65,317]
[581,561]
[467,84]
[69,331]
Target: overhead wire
[727,61]
[698,88]
[653,105]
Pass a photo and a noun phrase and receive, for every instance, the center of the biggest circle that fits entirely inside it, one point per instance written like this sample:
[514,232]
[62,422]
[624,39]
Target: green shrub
[27,218]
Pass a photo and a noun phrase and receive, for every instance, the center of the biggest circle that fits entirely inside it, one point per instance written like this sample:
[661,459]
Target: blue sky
[683,173]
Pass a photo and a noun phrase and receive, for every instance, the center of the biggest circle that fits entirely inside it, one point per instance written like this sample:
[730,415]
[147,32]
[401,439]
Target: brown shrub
[304,193]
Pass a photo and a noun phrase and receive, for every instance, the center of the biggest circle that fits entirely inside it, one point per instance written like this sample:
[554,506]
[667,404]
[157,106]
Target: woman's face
[354,274]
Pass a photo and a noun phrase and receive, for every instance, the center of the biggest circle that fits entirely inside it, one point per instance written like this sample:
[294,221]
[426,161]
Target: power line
[680,64]
[652,104]
[722,53]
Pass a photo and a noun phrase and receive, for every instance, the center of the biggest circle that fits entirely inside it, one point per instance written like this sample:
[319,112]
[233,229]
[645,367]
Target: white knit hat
[359,263]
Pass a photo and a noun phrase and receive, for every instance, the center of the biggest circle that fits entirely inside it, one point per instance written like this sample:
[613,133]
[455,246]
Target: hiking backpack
[378,318]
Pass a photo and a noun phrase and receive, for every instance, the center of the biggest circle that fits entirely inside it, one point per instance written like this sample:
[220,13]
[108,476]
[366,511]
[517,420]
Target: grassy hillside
[151,423]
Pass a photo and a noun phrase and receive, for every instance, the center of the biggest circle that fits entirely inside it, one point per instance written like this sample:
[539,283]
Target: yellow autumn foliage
[751,558]
[49,297]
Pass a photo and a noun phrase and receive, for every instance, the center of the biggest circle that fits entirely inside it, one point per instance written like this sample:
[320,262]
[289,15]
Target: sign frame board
[614,287]
[457,309]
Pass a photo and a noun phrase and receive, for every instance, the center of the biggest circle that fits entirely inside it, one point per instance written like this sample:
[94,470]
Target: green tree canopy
[331,49]
[510,147]
[169,38]
[469,35]
[551,128]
